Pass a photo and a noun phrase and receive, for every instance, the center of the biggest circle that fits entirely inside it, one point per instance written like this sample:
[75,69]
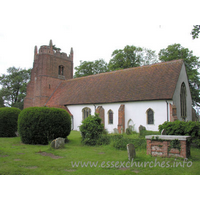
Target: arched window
[86,112]
[110,117]
[61,70]
[150,116]
[183,101]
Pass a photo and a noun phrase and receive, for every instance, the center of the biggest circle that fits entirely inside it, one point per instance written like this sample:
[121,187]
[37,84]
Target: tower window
[61,70]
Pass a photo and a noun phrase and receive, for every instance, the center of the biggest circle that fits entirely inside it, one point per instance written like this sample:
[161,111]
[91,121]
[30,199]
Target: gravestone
[142,128]
[131,151]
[17,134]
[116,130]
[58,143]
[163,132]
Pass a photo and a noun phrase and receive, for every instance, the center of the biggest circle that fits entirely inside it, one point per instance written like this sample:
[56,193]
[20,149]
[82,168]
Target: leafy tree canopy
[192,63]
[14,86]
[1,100]
[131,56]
[195,31]
[56,48]
[87,68]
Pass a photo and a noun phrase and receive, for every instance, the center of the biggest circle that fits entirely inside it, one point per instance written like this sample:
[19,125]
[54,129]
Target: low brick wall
[161,145]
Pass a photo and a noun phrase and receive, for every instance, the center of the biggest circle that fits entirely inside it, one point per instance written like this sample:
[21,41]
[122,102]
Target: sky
[93,28]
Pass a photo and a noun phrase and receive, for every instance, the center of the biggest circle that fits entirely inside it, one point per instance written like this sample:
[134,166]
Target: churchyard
[75,158]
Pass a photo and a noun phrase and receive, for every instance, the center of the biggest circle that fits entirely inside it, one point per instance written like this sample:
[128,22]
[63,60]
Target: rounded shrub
[38,125]
[91,130]
[8,121]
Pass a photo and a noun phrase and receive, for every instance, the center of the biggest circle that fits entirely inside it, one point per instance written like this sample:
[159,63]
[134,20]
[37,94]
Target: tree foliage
[14,86]
[1,100]
[91,130]
[87,68]
[56,48]
[131,56]
[195,31]
[8,121]
[128,57]
[39,125]
[192,63]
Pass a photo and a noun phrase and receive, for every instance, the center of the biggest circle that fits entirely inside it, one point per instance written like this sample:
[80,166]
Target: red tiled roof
[152,82]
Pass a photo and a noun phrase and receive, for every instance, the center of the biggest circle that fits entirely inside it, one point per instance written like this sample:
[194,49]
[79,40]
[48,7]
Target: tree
[87,68]
[56,48]
[192,63]
[14,86]
[1,100]
[131,56]
[195,31]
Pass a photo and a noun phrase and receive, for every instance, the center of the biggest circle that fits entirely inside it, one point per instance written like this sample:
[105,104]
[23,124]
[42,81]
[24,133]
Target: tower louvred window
[61,70]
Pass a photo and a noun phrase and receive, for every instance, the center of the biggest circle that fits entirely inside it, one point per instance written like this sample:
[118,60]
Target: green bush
[8,121]
[91,129]
[143,133]
[39,125]
[183,128]
[120,142]
[129,131]
[103,140]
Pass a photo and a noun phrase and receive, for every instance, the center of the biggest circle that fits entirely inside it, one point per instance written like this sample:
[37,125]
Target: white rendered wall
[176,98]
[135,111]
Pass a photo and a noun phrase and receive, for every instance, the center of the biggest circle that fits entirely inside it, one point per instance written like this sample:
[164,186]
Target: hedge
[8,121]
[183,128]
[39,125]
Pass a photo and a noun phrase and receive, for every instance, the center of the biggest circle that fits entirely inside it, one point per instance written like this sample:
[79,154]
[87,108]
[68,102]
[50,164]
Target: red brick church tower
[50,69]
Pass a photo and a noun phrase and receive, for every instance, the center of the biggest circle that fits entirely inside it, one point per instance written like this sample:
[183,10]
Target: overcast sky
[93,28]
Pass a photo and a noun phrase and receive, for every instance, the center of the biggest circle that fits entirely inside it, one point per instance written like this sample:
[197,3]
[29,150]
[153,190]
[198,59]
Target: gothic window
[183,101]
[61,70]
[86,112]
[150,116]
[110,117]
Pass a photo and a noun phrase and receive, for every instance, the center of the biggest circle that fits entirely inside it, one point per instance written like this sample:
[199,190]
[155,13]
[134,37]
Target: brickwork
[121,119]
[45,76]
[162,148]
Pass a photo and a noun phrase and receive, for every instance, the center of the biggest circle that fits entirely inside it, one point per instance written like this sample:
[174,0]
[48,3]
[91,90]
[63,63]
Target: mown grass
[17,158]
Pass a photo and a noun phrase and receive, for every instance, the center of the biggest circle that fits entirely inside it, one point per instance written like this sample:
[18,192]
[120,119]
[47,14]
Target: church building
[147,95]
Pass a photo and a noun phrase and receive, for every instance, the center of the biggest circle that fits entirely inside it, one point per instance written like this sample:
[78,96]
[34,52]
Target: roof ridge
[120,70]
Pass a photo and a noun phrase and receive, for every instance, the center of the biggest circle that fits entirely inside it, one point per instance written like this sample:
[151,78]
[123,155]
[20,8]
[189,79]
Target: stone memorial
[141,128]
[163,132]
[116,130]
[58,143]
[131,151]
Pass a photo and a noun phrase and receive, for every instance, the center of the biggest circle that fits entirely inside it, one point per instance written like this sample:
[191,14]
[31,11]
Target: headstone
[131,151]
[163,132]
[17,134]
[116,130]
[53,144]
[141,128]
[58,143]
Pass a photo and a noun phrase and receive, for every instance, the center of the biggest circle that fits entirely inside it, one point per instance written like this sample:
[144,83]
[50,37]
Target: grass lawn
[17,158]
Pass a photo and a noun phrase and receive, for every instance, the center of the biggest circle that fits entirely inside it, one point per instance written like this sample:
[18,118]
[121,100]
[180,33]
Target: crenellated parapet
[45,49]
